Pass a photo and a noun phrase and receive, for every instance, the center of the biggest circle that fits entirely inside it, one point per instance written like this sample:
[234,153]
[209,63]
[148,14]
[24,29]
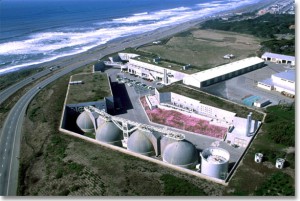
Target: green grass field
[52,163]
[96,87]
[204,49]
[14,77]
[264,179]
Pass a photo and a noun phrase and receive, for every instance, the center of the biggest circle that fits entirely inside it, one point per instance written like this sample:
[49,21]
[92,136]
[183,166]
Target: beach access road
[10,139]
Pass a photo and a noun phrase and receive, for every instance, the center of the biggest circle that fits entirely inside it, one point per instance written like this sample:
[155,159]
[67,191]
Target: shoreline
[97,52]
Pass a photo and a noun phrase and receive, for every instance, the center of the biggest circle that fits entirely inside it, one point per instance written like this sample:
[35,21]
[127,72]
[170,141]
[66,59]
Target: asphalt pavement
[6,93]
[137,113]
[12,128]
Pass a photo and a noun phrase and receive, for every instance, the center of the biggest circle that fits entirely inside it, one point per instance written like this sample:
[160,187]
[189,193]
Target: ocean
[36,31]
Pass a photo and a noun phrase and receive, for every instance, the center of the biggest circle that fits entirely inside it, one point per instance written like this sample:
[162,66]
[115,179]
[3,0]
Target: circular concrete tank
[214,162]
[138,142]
[181,153]
[109,133]
[85,123]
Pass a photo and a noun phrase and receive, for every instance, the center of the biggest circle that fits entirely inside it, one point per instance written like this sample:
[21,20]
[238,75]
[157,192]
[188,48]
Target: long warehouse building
[224,72]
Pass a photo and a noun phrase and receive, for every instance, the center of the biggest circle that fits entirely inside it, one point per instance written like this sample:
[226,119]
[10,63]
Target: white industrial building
[278,58]
[239,129]
[153,71]
[160,143]
[183,103]
[283,82]
[224,72]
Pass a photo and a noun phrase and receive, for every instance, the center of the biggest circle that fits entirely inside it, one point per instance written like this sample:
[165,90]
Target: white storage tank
[109,133]
[138,142]
[181,153]
[85,123]
[258,157]
[214,162]
[280,163]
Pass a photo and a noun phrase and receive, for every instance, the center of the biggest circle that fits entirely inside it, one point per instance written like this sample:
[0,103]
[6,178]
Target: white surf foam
[63,43]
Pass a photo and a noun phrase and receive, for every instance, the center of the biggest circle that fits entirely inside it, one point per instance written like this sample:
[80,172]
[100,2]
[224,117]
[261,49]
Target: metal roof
[288,75]
[268,81]
[225,69]
[278,56]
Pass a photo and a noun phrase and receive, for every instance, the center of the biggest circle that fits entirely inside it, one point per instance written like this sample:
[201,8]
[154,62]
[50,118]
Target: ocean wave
[64,42]
[154,16]
[138,14]
[40,61]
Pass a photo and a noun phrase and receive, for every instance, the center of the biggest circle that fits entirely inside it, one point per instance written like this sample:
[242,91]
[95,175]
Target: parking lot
[140,85]
[238,88]
[133,110]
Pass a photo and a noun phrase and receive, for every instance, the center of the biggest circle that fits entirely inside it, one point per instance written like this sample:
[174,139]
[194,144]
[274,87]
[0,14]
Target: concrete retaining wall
[183,170]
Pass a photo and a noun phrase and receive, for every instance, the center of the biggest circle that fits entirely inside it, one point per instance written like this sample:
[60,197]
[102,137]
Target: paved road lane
[12,128]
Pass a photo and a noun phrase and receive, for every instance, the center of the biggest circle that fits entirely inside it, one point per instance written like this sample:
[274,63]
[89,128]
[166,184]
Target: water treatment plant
[155,114]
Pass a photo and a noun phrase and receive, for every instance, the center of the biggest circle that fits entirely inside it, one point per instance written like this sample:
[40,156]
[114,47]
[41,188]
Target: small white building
[150,70]
[184,103]
[224,72]
[261,102]
[279,163]
[278,58]
[258,157]
[283,82]
[127,56]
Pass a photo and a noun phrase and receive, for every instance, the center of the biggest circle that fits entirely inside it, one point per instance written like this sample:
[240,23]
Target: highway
[11,135]
[6,93]
[10,138]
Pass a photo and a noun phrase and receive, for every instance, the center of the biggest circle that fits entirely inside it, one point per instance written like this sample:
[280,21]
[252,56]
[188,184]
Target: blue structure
[250,100]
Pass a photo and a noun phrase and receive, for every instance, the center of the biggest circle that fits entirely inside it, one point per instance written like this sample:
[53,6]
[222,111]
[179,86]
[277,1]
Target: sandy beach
[120,44]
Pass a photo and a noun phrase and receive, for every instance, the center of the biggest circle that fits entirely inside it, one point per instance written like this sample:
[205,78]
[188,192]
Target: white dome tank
[214,162]
[181,153]
[85,123]
[138,142]
[109,133]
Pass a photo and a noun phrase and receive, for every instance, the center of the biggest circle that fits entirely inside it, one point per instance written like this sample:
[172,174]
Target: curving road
[10,139]
[6,93]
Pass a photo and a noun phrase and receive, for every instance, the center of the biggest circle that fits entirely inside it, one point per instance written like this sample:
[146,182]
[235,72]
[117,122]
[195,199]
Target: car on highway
[144,85]
[138,83]
[129,84]
[151,88]
[160,84]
